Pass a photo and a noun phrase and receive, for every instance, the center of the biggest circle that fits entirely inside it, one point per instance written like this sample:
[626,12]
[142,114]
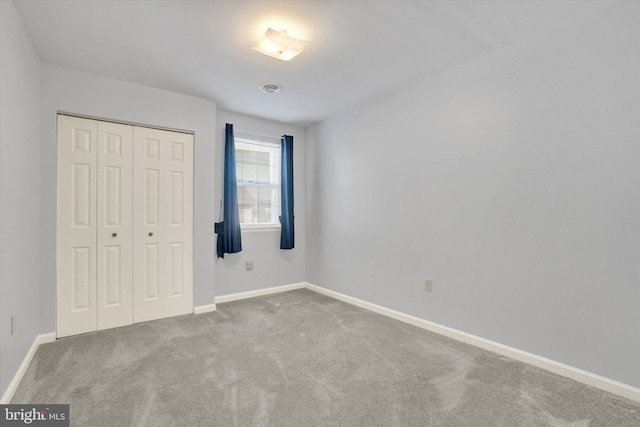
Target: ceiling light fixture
[280,45]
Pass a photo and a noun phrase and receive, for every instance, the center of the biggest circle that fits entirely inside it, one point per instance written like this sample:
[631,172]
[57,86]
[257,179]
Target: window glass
[257,174]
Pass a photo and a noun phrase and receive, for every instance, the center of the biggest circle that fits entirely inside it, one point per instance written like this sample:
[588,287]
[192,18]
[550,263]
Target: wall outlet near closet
[428,285]
[249,265]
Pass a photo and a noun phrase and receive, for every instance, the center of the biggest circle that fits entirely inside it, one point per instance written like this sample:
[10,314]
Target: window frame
[269,144]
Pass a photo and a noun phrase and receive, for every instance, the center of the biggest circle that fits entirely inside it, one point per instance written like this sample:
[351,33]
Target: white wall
[81,93]
[512,182]
[271,265]
[19,192]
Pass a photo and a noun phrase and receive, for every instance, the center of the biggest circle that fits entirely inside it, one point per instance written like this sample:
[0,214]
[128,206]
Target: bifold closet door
[114,225]
[124,225]
[76,229]
[163,224]
[94,225]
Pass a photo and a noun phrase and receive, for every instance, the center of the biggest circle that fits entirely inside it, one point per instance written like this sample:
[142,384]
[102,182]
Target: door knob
[114,235]
[150,233]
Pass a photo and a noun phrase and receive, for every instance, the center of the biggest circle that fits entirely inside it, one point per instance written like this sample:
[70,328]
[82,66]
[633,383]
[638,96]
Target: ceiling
[358,50]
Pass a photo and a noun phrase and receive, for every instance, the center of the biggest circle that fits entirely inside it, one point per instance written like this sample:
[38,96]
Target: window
[258,178]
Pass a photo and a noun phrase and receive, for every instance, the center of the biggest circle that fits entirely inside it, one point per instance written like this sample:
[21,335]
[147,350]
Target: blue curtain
[287,240]
[229,236]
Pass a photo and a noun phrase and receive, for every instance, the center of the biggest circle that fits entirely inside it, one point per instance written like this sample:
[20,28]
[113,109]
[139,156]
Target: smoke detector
[270,87]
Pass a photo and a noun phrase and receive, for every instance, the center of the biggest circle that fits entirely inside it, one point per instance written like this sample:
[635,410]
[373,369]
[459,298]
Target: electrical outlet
[13,323]
[249,265]
[428,285]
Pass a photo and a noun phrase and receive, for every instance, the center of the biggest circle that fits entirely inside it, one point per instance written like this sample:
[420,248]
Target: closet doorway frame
[190,262]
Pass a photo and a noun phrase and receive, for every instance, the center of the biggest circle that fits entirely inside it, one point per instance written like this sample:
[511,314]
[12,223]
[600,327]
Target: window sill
[255,228]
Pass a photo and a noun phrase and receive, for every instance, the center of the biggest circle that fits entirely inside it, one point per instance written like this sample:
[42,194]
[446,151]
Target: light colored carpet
[301,359]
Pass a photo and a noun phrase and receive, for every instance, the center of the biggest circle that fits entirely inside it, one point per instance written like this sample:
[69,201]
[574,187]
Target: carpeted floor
[301,359]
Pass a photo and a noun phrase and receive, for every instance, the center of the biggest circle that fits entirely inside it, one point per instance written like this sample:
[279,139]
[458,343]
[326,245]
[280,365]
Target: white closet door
[163,224]
[114,225]
[125,225]
[76,234]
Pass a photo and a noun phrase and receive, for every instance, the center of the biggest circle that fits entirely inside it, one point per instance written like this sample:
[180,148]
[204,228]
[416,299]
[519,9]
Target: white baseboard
[13,386]
[580,375]
[250,294]
[204,309]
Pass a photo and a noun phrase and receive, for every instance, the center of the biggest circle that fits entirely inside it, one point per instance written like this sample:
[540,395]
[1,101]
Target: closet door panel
[76,226]
[151,200]
[163,224]
[179,211]
[114,225]
[147,218]
[151,272]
